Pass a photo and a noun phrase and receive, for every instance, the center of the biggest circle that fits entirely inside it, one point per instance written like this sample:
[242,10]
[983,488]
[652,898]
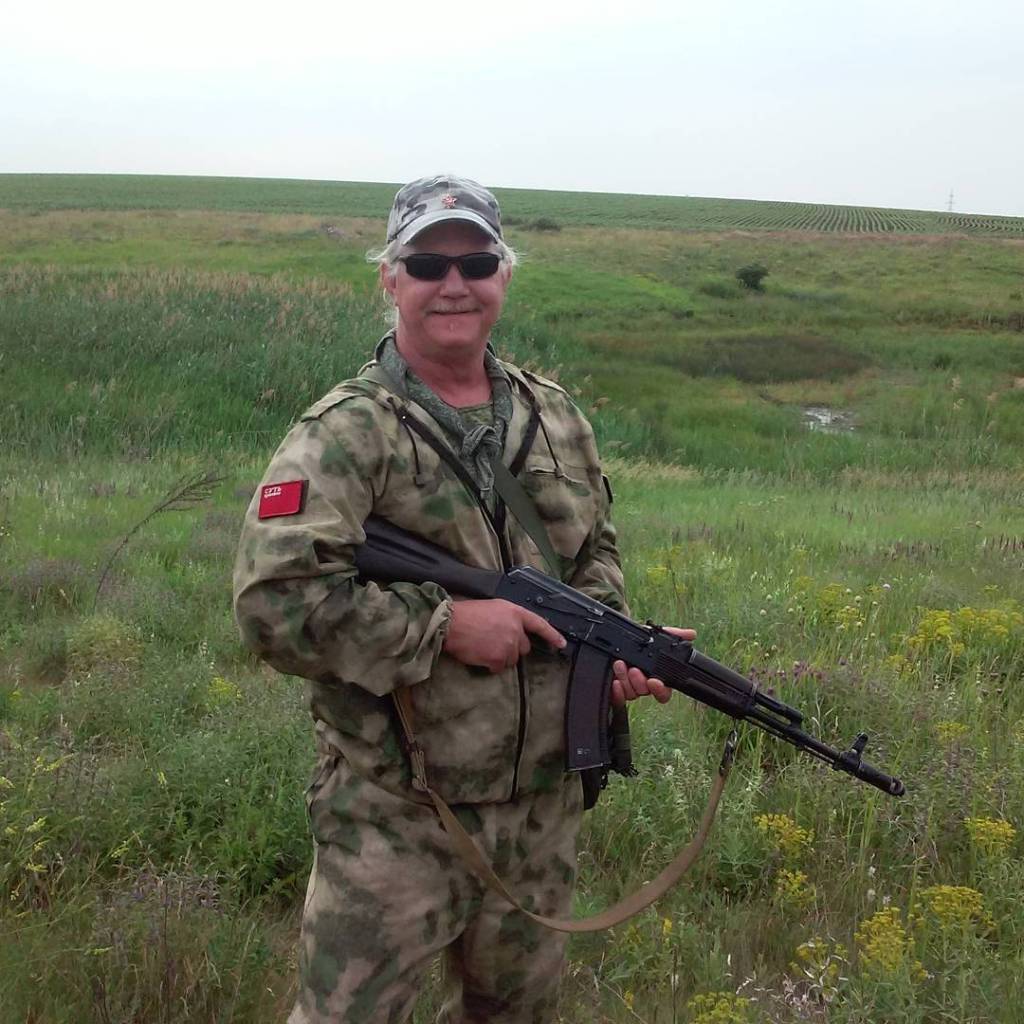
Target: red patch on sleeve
[283,499]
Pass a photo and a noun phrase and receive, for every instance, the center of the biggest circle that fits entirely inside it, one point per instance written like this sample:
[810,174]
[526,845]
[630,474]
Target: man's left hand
[630,683]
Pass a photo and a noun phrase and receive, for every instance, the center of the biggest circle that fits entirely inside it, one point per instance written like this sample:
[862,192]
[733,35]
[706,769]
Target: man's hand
[630,683]
[495,634]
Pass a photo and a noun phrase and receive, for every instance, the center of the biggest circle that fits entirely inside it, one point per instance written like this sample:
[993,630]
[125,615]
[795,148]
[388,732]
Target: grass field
[522,207]
[153,850]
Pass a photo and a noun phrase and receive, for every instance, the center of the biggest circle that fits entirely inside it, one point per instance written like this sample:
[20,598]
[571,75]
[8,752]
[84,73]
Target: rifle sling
[477,863]
[515,498]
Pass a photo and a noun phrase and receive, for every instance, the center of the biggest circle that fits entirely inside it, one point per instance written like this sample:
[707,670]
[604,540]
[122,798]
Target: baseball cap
[428,201]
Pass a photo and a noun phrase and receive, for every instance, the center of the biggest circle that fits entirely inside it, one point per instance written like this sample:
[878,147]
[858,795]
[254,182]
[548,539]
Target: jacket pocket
[566,501]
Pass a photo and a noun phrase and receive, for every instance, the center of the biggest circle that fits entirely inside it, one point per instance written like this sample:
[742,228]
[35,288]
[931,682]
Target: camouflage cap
[428,201]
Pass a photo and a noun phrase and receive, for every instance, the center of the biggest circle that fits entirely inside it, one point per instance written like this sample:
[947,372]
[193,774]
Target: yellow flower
[948,732]
[221,692]
[953,906]
[666,927]
[884,946]
[900,664]
[793,888]
[785,834]
[991,835]
[719,1008]
[657,574]
[819,964]
[952,633]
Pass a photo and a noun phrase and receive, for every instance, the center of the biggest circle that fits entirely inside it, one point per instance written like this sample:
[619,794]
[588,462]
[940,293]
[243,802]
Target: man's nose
[453,283]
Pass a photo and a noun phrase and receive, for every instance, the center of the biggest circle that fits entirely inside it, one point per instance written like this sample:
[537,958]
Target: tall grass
[154,771]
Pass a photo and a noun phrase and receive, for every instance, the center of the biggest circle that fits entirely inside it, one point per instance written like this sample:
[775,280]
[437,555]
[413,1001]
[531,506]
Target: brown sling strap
[516,499]
[477,863]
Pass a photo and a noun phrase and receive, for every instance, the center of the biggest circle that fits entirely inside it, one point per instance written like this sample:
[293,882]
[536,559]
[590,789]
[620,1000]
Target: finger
[659,691]
[533,623]
[524,644]
[638,681]
[683,634]
[621,678]
[618,697]
[512,652]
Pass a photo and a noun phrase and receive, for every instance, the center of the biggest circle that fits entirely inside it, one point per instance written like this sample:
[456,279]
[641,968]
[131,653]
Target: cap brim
[428,220]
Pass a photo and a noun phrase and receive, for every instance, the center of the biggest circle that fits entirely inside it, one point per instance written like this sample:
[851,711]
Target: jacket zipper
[499,529]
[506,561]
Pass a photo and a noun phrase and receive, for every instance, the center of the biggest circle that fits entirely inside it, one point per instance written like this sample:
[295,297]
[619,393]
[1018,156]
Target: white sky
[845,101]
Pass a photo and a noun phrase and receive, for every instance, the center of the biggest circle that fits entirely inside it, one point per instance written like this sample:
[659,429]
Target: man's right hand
[495,634]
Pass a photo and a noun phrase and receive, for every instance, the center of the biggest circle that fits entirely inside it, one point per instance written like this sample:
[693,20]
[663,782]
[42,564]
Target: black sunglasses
[432,266]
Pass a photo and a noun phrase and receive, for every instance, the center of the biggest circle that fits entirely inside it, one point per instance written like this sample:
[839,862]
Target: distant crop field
[525,208]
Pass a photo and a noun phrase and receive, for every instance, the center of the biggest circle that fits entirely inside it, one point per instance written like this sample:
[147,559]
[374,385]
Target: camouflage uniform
[387,890]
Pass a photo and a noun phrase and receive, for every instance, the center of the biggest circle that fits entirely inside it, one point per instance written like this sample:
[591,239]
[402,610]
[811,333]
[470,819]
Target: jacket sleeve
[297,600]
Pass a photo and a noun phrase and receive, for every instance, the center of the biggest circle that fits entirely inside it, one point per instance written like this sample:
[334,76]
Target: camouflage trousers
[388,892]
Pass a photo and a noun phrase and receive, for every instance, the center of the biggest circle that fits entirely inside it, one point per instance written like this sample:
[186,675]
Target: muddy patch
[829,421]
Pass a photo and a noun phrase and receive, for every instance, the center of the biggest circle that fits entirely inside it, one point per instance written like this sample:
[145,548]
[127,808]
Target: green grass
[224,344]
[153,849]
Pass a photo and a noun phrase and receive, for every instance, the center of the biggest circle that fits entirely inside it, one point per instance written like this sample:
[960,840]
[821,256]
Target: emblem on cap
[448,200]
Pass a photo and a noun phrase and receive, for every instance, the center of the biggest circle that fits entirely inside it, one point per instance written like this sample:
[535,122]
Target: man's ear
[387,279]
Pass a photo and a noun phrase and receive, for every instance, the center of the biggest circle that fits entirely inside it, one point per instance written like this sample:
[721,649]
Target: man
[411,440]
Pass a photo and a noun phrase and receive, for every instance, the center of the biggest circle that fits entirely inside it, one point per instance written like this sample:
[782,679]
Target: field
[153,851]
[35,192]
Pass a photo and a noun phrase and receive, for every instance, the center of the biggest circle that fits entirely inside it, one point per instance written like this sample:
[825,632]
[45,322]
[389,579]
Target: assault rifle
[596,636]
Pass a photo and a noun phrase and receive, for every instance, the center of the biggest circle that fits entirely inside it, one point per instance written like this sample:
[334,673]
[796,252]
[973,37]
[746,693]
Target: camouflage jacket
[486,737]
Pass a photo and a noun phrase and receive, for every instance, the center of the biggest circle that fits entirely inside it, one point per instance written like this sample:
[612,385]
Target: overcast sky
[865,102]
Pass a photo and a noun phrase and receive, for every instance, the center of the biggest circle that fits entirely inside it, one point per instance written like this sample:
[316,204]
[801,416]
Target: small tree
[751,276]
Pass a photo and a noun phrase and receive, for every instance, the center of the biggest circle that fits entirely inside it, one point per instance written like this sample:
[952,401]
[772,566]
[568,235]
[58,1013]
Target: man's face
[451,318]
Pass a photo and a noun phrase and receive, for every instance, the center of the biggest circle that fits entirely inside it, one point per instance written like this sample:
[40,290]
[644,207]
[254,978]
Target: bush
[543,224]
[752,276]
[718,288]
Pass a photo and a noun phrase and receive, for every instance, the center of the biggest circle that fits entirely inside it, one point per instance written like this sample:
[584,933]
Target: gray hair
[387,257]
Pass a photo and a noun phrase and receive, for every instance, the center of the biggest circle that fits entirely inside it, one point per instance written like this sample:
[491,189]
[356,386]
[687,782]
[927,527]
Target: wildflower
[784,833]
[793,888]
[953,906]
[666,927]
[948,732]
[900,665]
[719,1008]
[990,835]
[819,964]
[884,946]
[221,692]
[628,998]
[657,574]
[36,826]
